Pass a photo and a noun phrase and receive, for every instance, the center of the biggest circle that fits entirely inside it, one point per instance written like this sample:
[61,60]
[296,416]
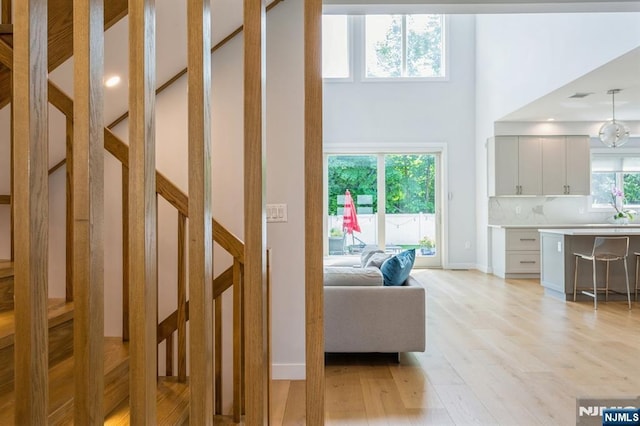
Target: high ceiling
[621,73]
[227,16]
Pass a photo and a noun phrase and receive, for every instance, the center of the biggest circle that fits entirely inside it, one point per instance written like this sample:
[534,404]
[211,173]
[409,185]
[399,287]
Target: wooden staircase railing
[175,322]
[31,36]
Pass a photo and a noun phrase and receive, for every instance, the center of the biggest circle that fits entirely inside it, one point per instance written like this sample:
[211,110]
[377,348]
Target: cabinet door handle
[527,239]
[527,261]
[568,189]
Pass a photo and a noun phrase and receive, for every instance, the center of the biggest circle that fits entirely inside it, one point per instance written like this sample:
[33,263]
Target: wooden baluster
[218,355]
[6,19]
[182,299]
[88,211]
[31,198]
[12,229]
[125,253]
[238,342]
[200,220]
[156,284]
[269,353]
[142,214]
[6,12]
[69,213]
[169,356]
[243,340]
[314,296]
[257,388]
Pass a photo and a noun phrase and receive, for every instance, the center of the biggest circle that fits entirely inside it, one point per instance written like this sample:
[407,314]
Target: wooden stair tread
[59,311]
[172,405]
[61,383]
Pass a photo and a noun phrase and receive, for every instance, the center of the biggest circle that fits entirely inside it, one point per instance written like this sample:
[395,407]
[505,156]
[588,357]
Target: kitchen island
[557,261]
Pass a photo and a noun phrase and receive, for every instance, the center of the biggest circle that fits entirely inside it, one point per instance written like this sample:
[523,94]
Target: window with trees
[395,198]
[398,46]
[619,170]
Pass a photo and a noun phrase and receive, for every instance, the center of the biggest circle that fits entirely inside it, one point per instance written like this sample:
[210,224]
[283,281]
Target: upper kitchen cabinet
[565,165]
[515,163]
[539,165]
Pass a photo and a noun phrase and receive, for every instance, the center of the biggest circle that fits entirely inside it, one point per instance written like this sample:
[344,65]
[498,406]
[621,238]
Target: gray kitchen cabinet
[539,165]
[565,165]
[515,252]
[514,166]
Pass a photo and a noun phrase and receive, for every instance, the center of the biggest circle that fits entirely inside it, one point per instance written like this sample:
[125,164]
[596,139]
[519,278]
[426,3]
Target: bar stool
[605,249]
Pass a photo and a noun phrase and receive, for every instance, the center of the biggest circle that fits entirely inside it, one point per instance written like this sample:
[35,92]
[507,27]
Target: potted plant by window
[427,246]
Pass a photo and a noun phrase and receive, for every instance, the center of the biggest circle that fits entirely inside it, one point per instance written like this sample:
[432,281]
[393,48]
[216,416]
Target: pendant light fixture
[614,133]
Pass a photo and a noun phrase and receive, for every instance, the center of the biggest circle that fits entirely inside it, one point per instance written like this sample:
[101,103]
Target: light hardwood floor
[498,352]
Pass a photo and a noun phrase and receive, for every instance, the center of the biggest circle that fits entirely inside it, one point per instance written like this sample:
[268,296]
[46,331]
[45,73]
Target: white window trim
[601,208]
[350,53]
[363,55]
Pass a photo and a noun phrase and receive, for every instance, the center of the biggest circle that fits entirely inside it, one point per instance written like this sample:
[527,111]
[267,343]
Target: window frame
[608,208]
[398,147]
[403,78]
[350,52]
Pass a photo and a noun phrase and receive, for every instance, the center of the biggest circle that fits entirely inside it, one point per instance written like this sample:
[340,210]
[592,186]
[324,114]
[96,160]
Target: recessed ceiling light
[551,119]
[112,81]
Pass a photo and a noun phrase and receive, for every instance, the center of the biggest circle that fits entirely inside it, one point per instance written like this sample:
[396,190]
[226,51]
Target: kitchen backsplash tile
[543,210]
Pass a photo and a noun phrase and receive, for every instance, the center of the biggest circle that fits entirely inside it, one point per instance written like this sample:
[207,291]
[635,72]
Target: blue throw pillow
[396,269]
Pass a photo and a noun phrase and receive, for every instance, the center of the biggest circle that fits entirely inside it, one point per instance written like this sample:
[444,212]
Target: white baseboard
[484,268]
[288,371]
[461,266]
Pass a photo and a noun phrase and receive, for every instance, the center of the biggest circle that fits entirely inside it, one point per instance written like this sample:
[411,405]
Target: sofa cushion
[396,269]
[377,259]
[340,276]
[366,255]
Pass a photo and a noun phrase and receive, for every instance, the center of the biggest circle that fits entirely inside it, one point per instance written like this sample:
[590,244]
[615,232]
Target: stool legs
[575,281]
[595,289]
[626,278]
[606,284]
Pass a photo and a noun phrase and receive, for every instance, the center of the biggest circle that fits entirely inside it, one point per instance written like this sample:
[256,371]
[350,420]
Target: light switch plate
[276,213]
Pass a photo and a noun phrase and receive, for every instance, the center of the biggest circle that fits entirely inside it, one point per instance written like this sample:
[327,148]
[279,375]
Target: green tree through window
[410,181]
[404,46]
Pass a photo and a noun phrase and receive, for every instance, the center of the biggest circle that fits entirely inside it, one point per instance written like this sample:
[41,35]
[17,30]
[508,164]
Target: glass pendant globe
[614,134]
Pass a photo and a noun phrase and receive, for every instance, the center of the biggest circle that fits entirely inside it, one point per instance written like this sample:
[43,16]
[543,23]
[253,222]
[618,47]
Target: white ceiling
[171,57]
[621,73]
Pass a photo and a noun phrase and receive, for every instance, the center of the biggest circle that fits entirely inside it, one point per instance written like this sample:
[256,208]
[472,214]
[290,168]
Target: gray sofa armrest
[375,319]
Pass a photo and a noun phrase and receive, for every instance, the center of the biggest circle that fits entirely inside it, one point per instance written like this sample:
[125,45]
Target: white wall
[522,57]
[396,113]
[285,184]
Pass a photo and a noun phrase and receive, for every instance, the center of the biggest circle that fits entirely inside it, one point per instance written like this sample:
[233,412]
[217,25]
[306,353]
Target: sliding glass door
[395,200]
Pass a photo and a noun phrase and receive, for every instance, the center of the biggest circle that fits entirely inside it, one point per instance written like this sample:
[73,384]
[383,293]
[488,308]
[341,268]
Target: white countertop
[601,232]
[566,226]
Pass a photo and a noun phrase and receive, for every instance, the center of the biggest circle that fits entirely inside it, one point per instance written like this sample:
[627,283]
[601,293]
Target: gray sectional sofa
[363,315]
